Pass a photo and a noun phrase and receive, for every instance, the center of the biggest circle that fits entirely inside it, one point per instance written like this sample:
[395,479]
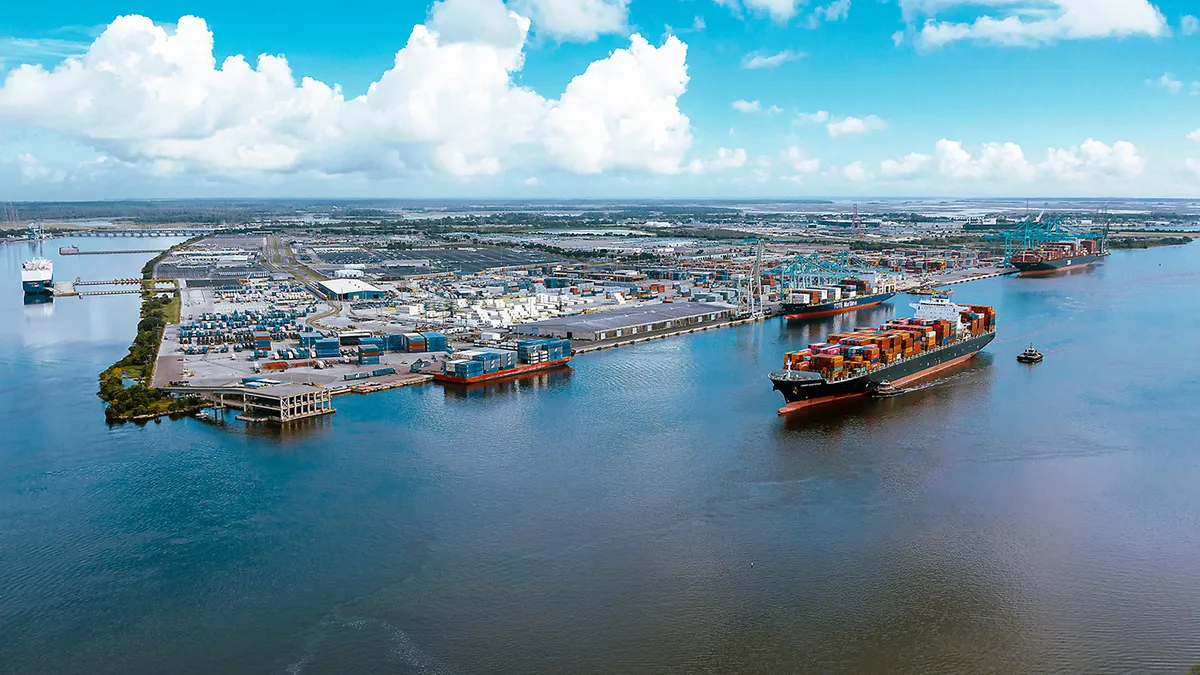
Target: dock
[279,404]
[70,250]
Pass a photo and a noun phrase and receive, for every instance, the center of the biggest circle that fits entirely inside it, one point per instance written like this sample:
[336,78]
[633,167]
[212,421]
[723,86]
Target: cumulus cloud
[33,171]
[745,106]
[834,11]
[759,60]
[1021,23]
[854,126]
[1194,136]
[857,172]
[157,98]
[779,10]
[1189,25]
[1093,159]
[794,157]
[819,117]
[1007,163]
[575,20]
[723,160]
[909,166]
[1168,82]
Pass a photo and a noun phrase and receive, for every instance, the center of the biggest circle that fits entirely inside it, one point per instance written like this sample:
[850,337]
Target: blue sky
[601,98]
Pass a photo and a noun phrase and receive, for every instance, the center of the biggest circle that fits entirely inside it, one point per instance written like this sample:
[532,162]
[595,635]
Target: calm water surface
[646,512]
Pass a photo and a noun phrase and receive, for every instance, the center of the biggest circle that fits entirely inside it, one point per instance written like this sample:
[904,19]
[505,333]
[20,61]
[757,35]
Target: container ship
[1057,257]
[854,364]
[37,277]
[820,301]
[484,365]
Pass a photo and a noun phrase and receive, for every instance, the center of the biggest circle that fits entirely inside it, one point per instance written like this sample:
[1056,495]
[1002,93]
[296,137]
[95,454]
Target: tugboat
[887,390]
[1030,355]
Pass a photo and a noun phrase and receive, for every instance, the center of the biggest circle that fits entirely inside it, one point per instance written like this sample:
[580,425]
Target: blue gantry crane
[1030,234]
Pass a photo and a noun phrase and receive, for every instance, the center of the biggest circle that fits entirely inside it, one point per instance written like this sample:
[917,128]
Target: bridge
[71,250]
[155,232]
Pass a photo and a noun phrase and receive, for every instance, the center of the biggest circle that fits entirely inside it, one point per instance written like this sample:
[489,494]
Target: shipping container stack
[436,342]
[368,355]
[865,349]
[541,351]
[327,348]
[464,368]
[414,342]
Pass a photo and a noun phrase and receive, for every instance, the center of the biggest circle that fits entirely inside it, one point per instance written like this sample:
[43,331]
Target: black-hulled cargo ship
[1058,257]
[852,365]
[802,312]
[850,295]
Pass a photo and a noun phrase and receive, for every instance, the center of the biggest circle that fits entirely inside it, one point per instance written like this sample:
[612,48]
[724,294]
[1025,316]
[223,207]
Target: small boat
[1030,355]
[887,390]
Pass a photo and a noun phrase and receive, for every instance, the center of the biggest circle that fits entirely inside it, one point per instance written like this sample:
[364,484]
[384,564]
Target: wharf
[67,251]
[626,341]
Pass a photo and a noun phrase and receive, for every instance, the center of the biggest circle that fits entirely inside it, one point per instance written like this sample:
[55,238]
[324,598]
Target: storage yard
[352,311]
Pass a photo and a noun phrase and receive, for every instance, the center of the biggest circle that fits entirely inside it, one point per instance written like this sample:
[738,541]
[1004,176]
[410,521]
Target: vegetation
[140,399]
[1119,243]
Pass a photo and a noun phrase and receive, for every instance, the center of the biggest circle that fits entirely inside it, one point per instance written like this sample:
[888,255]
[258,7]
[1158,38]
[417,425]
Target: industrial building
[628,322]
[350,289]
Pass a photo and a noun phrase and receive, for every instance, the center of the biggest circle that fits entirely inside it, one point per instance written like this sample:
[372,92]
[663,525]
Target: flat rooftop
[632,316]
[344,286]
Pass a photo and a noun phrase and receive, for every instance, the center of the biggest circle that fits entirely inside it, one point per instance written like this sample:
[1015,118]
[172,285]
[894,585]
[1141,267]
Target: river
[645,512]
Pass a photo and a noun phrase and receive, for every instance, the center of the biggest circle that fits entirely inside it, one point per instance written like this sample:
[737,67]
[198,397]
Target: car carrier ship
[486,365]
[850,295]
[37,277]
[1058,257]
[854,364]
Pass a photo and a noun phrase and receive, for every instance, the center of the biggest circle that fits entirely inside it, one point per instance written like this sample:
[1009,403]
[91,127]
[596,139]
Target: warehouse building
[628,322]
[350,289]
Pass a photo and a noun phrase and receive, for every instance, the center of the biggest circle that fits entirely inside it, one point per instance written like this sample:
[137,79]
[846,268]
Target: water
[646,513]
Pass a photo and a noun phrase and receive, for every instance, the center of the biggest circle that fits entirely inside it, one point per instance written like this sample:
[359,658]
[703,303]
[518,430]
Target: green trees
[140,399]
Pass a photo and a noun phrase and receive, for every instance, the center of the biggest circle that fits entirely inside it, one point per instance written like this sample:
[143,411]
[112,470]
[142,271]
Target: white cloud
[854,126]
[774,110]
[1006,163]
[794,157]
[577,20]
[1194,136]
[1030,23]
[1167,82]
[532,181]
[819,117]
[1189,25]
[779,10]
[745,106]
[996,161]
[723,160]
[834,11]
[33,171]
[756,60]
[158,99]
[1093,159]
[857,172]
[909,166]
[1193,166]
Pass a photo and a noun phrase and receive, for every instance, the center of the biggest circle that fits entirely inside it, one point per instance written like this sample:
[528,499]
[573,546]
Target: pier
[278,403]
[71,250]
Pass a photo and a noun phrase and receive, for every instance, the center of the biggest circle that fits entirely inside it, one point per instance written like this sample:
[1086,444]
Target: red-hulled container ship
[1058,257]
[486,365]
[850,295]
[851,365]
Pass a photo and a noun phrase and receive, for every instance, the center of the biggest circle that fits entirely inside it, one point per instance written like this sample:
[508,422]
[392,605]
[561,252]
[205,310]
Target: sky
[564,99]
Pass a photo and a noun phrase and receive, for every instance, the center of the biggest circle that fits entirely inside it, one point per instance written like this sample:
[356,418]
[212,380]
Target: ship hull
[38,287]
[503,374]
[1048,267]
[809,391]
[796,312]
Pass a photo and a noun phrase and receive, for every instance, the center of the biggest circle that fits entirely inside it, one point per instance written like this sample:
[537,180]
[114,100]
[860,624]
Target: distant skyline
[561,99]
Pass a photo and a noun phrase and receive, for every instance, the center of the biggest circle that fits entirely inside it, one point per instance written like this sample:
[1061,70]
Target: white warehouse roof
[345,286]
